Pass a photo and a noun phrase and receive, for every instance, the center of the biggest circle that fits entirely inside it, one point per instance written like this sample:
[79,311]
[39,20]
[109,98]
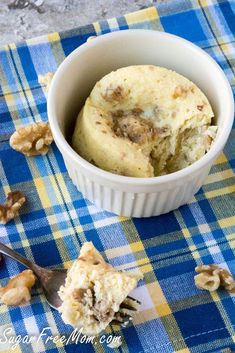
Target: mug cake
[144,121]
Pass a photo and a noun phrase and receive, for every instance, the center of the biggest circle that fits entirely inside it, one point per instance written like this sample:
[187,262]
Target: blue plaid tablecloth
[56,220]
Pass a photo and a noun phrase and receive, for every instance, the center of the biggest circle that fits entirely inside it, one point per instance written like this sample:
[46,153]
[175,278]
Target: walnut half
[11,208]
[18,289]
[32,139]
[211,277]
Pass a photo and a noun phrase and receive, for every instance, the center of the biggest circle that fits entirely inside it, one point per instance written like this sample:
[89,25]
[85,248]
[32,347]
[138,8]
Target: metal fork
[52,279]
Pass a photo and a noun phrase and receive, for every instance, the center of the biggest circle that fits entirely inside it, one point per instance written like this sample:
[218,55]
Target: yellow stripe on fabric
[29,101]
[192,247]
[42,192]
[59,344]
[11,102]
[149,14]
[204,3]
[56,47]
[6,47]
[57,234]
[97,27]
[6,189]
[154,289]
[186,233]
[194,251]
[79,229]
[143,261]
[63,187]
[146,268]
[225,174]
[158,299]
[12,46]
[122,218]
[116,252]
[68,264]
[56,188]
[137,246]
[227,222]
[221,159]
[53,37]
[54,330]
[215,296]
[227,320]
[143,316]
[163,310]
[15,350]
[218,192]
[185,350]
[230,237]
[9,99]
[196,255]
[25,243]
[232,244]
[3,309]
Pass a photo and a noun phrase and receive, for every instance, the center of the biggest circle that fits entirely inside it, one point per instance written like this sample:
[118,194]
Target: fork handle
[14,255]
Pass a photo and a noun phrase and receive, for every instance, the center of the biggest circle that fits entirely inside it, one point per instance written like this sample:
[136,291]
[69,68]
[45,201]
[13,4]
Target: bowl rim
[121,179]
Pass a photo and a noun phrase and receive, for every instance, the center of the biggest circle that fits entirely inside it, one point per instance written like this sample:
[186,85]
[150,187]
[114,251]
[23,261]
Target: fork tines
[133,299]
[123,316]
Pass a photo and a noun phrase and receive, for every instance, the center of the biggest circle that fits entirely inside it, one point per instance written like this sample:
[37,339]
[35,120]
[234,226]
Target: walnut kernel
[18,289]
[134,128]
[211,277]
[226,280]
[208,282]
[180,92]
[114,94]
[32,139]
[10,209]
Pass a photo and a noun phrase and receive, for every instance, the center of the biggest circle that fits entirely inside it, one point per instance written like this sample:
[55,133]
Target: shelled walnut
[32,139]
[18,289]
[211,277]
[45,80]
[11,208]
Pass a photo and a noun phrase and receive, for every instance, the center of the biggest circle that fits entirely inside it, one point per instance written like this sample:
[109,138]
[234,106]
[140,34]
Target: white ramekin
[75,78]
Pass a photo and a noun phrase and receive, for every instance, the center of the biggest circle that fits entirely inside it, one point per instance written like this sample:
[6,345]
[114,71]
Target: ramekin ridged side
[121,201]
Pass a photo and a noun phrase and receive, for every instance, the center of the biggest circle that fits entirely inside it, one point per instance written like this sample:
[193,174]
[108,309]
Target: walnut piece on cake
[10,209]
[134,128]
[33,139]
[93,291]
[211,277]
[18,289]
